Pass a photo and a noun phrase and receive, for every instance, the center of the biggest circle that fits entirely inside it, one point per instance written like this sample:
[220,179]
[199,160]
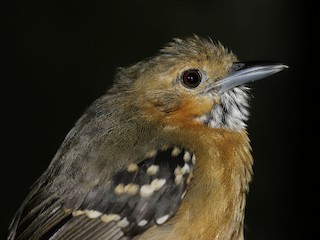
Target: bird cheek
[189,109]
[197,107]
[164,102]
[156,105]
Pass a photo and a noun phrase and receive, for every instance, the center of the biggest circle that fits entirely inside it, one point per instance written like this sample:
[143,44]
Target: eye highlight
[191,78]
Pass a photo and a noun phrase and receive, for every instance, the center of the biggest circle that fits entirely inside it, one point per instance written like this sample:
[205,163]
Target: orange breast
[213,207]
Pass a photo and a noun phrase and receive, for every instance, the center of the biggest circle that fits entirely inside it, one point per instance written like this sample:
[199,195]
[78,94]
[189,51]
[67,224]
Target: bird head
[194,81]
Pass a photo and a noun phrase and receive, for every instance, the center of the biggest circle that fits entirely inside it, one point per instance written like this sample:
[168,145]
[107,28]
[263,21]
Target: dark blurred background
[62,55]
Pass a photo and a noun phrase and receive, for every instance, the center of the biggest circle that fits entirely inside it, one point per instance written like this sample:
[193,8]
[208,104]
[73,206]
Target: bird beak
[241,73]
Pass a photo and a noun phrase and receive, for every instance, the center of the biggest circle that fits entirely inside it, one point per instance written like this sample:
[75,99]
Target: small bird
[164,154]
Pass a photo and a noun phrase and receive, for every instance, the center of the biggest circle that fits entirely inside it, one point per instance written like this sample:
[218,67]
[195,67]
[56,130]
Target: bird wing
[136,197]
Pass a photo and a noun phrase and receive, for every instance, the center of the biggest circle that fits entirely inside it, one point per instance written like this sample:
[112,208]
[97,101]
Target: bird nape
[164,154]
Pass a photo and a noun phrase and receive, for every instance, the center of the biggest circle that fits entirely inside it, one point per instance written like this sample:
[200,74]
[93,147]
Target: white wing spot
[131,189]
[93,214]
[153,169]
[185,169]
[132,167]
[119,189]
[186,156]
[146,191]
[193,159]
[142,223]
[151,154]
[162,220]
[106,218]
[175,151]
[123,223]
[78,213]
[156,184]
[177,171]
[178,179]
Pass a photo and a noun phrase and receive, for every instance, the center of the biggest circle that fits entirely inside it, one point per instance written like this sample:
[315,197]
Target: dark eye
[191,78]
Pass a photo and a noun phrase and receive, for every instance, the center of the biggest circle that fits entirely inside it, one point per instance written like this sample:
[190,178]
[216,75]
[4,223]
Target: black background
[62,55]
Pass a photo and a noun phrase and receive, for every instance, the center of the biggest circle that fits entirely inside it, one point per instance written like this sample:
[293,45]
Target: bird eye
[191,78]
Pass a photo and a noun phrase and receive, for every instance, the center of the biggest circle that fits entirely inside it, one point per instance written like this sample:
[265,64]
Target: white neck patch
[232,111]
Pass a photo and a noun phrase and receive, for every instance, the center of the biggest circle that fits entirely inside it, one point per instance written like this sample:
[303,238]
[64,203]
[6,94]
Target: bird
[163,154]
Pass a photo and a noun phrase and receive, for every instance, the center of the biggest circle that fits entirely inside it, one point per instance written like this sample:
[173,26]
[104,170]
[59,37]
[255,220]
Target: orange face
[177,90]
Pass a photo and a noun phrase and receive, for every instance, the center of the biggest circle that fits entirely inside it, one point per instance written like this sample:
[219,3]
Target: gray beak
[244,72]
